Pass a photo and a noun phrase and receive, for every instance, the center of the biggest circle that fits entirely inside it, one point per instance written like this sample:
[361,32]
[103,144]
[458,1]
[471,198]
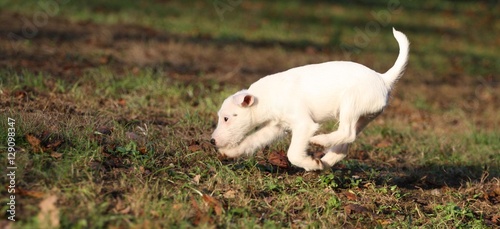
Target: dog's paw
[316,165]
[321,140]
[229,153]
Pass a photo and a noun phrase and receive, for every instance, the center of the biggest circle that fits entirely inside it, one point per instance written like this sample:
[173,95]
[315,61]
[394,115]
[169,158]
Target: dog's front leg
[297,155]
[260,138]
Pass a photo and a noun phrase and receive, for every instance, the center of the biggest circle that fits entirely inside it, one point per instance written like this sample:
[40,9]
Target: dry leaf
[268,199]
[384,143]
[194,148]
[278,158]
[55,144]
[231,194]
[20,94]
[354,209]
[177,206]
[49,213]
[104,59]
[56,155]
[199,215]
[24,192]
[121,207]
[196,179]
[351,196]
[496,219]
[384,222]
[34,142]
[496,190]
[213,203]
[125,210]
[122,102]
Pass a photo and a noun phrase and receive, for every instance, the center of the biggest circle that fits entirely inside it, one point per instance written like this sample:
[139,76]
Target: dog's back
[323,87]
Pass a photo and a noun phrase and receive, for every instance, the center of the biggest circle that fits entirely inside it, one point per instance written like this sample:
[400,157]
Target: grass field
[111,107]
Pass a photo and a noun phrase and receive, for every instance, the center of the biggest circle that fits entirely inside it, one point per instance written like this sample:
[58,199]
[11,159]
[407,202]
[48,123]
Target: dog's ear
[243,99]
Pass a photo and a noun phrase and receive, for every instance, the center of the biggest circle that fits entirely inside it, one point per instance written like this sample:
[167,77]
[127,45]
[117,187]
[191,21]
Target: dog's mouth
[234,144]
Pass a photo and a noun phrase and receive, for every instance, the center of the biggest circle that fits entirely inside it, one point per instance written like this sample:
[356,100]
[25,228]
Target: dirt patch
[67,49]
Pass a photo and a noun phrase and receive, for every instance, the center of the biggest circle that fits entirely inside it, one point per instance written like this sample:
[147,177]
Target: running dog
[299,100]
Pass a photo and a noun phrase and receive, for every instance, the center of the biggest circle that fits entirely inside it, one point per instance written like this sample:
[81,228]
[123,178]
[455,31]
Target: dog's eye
[225,119]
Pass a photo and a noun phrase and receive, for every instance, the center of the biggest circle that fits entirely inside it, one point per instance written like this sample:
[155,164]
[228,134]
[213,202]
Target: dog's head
[235,120]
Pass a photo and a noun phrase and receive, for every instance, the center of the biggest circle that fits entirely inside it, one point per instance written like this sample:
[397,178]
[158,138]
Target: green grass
[128,148]
[159,181]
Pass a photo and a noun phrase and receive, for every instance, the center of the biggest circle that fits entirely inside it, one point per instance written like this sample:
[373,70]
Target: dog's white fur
[301,98]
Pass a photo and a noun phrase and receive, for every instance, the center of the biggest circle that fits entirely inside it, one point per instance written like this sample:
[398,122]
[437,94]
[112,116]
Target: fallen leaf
[436,192]
[213,203]
[278,158]
[384,222]
[20,94]
[384,143]
[496,219]
[121,207]
[199,215]
[125,210]
[104,59]
[268,199]
[196,179]
[496,190]
[56,155]
[136,70]
[122,102]
[351,196]
[354,209]
[231,194]
[194,148]
[142,149]
[48,217]
[24,192]
[55,144]
[34,142]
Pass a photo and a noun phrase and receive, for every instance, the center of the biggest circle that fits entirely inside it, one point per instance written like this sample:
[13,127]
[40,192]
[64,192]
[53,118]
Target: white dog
[301,98]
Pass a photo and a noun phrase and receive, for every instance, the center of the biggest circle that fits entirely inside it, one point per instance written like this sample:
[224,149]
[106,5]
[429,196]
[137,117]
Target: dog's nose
[212,141]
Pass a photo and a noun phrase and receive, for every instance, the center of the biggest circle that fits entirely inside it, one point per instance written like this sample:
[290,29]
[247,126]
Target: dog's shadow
[426,177]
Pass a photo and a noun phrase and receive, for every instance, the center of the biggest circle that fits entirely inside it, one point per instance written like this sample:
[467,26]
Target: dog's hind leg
[338,152]
[346,132]
[334,154]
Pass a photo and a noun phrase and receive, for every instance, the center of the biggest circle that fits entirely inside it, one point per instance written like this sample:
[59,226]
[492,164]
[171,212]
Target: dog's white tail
[396,71]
